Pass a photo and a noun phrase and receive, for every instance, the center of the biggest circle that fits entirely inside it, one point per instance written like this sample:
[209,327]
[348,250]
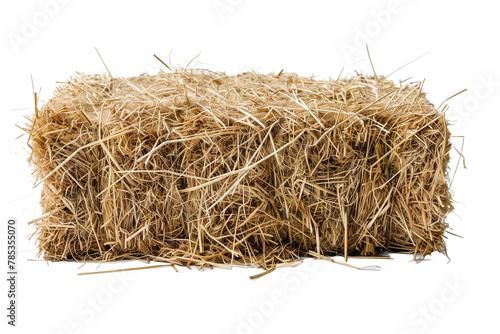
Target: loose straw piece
[128,269]
[319,256]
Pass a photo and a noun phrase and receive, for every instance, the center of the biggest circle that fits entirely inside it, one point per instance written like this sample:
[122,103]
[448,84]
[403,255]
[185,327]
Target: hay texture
[197,167]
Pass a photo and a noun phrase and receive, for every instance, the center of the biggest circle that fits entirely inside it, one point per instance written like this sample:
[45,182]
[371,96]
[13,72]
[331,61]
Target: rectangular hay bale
[198,167]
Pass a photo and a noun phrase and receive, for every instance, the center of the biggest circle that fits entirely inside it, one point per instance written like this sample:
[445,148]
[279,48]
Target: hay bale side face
[204,168]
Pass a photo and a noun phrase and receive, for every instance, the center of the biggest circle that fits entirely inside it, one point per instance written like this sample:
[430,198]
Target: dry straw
[195,167]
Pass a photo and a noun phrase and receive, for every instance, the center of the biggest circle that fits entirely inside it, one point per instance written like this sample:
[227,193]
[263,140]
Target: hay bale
[197,167]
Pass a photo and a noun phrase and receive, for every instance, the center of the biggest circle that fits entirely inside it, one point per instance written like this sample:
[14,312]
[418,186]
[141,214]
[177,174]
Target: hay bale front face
[196,167]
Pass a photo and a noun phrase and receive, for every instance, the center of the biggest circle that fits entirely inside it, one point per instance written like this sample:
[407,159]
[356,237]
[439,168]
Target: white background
[52,42]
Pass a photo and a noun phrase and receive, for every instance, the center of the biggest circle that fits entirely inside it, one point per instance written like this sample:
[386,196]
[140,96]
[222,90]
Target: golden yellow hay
[195,167]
